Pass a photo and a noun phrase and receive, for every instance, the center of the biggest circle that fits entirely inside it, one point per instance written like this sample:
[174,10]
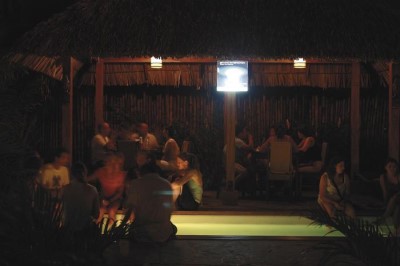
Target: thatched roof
[268,29]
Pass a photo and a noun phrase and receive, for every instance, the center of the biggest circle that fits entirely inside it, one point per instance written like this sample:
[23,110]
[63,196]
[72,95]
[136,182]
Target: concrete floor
[264,251]
[217,252]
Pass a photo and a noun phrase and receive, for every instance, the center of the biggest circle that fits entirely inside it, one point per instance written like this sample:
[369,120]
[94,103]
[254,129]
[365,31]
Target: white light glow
[299,63]
[155,62]
[232,76]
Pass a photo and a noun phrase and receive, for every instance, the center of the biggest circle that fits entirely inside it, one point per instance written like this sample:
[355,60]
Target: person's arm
[265,146]
[294,146]
[183,179]
[95,205]
[308,142]
[383,188]
[347,194]
[323,183]
[94,176]
[251,140]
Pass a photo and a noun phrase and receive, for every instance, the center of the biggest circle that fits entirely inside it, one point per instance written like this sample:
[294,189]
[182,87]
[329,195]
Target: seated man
[55,175]
[81,200]
[150,199]
[147,140]
[244,166]
[101,145]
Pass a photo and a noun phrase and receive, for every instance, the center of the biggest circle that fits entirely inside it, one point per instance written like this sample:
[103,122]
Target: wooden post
[394,119]
[230,117]
[99,95]
[355,117]
[67,108]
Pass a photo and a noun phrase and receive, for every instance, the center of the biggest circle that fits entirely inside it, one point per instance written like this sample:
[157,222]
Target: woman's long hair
[331,169]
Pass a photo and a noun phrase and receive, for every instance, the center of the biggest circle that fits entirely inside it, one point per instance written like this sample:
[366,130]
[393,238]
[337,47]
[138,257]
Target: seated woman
[334,190]
[112,181]
[188,184]
[390,185]
[309,154]
[170,151]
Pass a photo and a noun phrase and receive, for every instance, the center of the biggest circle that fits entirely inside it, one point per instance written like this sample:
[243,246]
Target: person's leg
[396,220]
[112,211]
[101,213]
[349,210]
[328,208]
[176,191]
[186,201]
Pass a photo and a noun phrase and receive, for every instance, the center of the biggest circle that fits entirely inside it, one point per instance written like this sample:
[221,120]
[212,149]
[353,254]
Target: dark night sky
[19,16]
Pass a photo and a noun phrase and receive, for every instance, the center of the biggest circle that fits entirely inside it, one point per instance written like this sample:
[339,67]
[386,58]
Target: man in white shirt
[55,175]
[148,140]
[101,144]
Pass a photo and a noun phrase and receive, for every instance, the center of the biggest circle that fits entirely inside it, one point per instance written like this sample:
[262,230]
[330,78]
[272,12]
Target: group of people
[251,162]
[334,191]
[150,190]
[334,185]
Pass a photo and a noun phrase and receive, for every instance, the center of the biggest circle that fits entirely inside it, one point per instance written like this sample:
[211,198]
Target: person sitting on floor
[151,203]
[112,184]
[334,190]
[170,151]
[188,185]
[81,200]
[390,185]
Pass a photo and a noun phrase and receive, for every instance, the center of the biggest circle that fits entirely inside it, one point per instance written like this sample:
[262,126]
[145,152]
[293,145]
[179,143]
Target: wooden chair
[280,165]
[312,171]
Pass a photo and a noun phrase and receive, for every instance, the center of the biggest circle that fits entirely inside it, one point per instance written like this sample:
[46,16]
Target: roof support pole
[394,119]
[355,117]
[230,121]
[67,107]
[99,94]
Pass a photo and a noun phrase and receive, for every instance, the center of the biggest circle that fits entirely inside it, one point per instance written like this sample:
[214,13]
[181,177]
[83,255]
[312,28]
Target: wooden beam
[99,95]
[355,117]
[110,60]
[67,108]
[394,119]
[230,117]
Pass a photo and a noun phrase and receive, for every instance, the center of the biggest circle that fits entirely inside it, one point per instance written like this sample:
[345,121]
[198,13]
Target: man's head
[79,172]
[143,128]
[241,131]
[104,129]
[61,157]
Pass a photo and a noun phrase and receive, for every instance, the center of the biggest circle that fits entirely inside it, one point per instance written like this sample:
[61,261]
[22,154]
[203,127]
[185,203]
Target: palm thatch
[269,29]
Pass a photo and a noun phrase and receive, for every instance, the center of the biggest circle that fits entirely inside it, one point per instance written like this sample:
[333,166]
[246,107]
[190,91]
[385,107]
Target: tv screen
[232,76]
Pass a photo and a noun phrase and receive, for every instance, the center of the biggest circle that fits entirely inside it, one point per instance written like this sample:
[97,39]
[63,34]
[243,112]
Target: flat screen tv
[232,76]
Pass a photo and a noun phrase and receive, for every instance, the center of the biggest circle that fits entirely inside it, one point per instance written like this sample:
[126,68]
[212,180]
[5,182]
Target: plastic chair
[280,165]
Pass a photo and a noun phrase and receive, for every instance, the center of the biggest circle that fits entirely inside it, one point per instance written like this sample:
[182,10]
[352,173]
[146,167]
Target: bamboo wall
[260,108]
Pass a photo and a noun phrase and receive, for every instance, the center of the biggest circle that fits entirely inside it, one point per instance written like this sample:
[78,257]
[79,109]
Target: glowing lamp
[299,63]
[232,76]
[155,62]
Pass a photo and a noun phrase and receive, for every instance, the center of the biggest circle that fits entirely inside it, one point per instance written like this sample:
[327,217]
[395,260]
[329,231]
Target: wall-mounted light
[155,62]
[299,63]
